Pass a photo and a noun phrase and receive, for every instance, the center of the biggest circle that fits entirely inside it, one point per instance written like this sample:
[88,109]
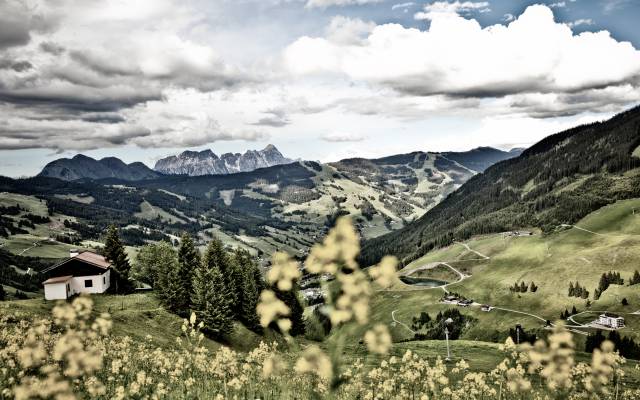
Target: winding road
[393,317]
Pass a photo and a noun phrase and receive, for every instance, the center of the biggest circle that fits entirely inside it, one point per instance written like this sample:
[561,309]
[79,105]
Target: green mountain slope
[284,207]
[557,181]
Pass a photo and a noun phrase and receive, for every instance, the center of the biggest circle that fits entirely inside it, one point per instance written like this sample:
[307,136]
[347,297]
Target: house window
[88,283]
[104,280]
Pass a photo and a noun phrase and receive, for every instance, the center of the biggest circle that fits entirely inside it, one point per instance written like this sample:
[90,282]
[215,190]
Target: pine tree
[249,294]
[533,288]
[625,302]
[210,298]
[114,253]
[181,279]
[571,289]
[574,311]
[523,287]
[3,294]
[216,257]
[292,299]
[210,302]
[635,279]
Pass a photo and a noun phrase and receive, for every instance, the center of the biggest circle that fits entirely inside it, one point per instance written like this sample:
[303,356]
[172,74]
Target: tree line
[221,286]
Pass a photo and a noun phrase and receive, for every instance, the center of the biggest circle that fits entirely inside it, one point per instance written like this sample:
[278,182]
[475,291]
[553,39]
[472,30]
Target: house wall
[55,291]
[100,283]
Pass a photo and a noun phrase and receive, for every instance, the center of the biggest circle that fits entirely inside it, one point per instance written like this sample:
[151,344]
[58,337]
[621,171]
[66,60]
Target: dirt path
[466,246]
[393,317]
[35,244]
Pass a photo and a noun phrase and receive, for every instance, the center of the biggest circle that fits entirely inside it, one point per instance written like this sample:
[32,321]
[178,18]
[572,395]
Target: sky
[320,79]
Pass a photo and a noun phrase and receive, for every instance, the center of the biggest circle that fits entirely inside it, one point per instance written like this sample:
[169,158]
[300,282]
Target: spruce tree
[292,299]
[210,299]
[181,280]
[3,294]
[217,257]
[114,253]
[635,279]
[249,294]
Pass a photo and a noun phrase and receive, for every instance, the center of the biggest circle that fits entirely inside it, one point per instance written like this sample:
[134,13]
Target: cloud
[341,3]
[18,19]
[444,8]
[348,31]
[342,137]
[58,71]
[457,58]
[403,5]
[508,17]
[277,118]
[578,22]
[559,4]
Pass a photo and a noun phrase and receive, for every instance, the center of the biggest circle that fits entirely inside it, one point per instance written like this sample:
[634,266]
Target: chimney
[73,253]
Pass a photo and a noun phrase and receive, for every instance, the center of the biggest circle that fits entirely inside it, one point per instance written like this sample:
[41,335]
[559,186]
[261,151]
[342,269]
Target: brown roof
[93,258]
[57,279]
[86,256]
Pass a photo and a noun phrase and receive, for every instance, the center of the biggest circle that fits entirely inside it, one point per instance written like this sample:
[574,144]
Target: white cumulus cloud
[444,8]
[457,57]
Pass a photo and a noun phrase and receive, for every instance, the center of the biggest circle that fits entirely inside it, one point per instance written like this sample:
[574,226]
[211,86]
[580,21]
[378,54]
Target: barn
[82,272]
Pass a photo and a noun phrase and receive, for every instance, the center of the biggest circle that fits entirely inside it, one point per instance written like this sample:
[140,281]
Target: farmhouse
[84,272]
[611,320]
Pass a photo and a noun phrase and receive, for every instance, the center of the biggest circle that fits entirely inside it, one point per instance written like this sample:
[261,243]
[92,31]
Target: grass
[37,246]
[76,198]
[550,261]
[137,315]
[150,212]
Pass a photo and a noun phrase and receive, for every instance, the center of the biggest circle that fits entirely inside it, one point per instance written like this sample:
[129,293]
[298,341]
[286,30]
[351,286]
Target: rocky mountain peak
[206,162]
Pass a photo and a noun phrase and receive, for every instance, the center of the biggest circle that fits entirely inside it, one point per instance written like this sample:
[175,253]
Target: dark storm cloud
[18,66]
[277,119]
[52,48]
[17,21]
[75,103]
[104,118]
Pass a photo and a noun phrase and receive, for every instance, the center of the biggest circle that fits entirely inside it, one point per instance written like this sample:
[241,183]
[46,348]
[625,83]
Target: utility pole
[446,335]
[518,327]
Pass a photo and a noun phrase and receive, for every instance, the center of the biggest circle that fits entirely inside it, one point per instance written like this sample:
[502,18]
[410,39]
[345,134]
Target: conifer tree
[210,298]
[250,293]
[216,257]
[114,253]
[635,279]
[3,294]
[180,282]
[292,299]
[571,289]
[210,303]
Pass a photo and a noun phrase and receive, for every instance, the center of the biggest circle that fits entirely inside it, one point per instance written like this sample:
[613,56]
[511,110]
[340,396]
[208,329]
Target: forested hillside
[557,181]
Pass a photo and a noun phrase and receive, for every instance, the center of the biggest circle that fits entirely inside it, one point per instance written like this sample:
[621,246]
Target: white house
[611,320]
[84,272]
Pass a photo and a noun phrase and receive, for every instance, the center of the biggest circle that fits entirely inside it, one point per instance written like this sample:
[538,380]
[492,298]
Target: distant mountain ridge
[206,162]
[557,181]
[81,166]
[194,163]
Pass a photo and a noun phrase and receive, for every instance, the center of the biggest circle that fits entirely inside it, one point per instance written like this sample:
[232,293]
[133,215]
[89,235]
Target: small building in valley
[82,272]
[611,320]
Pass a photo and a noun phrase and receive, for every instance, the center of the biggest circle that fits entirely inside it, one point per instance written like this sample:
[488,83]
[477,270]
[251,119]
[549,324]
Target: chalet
[486,308]
[82,272]
[465,302]
[611,320]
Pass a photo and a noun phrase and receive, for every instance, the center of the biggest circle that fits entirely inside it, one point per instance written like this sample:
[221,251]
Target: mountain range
[286,206]
[206,162]
[552,184]
[81,166]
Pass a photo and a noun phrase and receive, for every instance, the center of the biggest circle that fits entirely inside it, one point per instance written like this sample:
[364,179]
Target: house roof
[57,279]
[610,315]
[86,256]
